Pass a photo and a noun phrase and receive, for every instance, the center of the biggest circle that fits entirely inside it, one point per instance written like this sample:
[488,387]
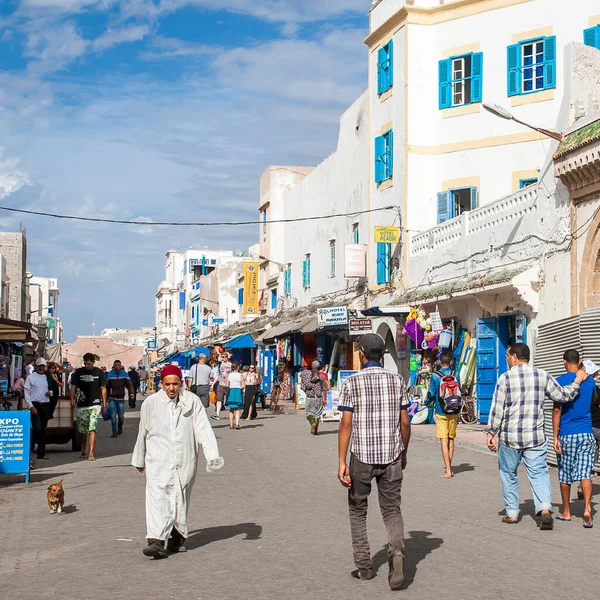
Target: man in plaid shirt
[374,407]
[517,418]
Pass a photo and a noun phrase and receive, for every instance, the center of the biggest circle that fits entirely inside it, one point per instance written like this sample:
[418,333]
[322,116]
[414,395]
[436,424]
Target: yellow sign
[251,288]
[387,235]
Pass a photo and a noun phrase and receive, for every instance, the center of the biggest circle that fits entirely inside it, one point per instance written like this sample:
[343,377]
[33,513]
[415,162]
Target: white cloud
[167,47]
[53,47]
[114,37]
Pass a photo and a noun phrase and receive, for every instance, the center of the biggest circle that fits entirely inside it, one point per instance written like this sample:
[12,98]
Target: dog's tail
[60,482]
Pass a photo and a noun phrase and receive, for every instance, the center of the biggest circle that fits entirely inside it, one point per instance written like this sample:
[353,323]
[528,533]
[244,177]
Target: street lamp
[504,114]
[28,275]
[280,265]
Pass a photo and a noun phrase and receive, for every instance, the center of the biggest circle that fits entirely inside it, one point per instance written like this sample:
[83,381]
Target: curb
[481,448]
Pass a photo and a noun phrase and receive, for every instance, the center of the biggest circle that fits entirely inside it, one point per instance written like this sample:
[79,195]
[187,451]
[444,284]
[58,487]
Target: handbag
[107,416]
[194,387]
[213,397]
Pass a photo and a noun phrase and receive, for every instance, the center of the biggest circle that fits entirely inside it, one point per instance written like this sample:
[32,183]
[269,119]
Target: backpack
[450,396]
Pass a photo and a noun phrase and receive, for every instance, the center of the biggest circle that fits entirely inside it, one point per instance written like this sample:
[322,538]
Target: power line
[188,224]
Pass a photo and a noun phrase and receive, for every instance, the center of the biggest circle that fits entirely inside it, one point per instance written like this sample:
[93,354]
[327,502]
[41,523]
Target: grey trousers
[203,392]
[389,487]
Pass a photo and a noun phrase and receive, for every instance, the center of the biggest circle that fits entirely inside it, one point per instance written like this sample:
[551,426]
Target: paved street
[273,524]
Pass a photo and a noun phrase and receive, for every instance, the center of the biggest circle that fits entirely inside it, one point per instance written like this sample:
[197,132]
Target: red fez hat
[171,370]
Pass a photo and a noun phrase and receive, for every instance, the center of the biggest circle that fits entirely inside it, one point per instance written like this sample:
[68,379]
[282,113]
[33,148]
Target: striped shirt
[517,412]
[376,398]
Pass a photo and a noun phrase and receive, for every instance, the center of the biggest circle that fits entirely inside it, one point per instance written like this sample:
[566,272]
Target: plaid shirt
[376,398]
[518,405]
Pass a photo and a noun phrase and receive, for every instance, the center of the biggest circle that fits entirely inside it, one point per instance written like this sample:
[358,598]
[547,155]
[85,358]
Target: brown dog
[56,497]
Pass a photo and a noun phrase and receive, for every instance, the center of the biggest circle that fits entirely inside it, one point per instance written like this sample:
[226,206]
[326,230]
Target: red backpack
[450,396]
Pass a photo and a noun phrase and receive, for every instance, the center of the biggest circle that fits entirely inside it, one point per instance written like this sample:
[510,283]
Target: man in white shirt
[37,397]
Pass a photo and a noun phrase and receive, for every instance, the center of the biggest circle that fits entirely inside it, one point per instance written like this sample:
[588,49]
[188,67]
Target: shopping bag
[213,397]
[107,416]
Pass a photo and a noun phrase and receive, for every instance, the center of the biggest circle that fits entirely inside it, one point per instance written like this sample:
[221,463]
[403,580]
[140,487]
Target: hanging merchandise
[435,320]
[445,339]
[416,326]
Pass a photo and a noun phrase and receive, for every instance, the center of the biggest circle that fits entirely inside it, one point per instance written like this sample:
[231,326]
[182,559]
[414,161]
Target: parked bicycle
[468,414]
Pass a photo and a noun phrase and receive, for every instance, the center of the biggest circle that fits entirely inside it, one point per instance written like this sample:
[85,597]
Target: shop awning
[240,342]
[286,328]
[195,352]
[17,331]
[310,325]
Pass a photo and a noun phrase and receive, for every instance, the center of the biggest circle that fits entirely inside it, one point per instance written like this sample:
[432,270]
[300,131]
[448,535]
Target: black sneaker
[155,550]
[175,549]
[547,522]
[121,430]
[114,435]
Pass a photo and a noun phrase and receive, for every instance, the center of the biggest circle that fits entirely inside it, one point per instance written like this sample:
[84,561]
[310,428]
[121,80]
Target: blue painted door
[487,365]
[267,371]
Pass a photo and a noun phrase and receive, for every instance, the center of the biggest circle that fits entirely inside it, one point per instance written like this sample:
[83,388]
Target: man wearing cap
[574,440]
[374,407]
[173,426]
[37,397]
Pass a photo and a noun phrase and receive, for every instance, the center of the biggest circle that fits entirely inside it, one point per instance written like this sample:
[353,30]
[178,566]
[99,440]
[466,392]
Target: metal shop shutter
[553,339]
[590,334]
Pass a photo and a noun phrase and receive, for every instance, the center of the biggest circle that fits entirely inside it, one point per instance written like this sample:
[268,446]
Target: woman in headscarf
[54,386]
[315,386]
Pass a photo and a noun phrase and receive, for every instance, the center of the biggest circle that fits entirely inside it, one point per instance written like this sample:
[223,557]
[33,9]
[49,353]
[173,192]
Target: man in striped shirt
[374,407]
[517,418]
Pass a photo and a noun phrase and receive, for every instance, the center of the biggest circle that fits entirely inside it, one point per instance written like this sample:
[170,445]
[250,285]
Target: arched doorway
[589,274]
[390,359]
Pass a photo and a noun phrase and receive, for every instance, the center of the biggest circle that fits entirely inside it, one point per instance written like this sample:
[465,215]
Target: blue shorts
[577,459]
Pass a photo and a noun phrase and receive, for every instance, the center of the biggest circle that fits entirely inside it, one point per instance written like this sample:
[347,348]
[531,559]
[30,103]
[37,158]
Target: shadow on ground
[419,545]
[463,468]
[202,537]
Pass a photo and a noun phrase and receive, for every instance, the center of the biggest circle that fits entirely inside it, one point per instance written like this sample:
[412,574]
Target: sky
[159,110]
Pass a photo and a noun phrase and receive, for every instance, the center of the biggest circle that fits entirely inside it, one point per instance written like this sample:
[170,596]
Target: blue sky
[161,110]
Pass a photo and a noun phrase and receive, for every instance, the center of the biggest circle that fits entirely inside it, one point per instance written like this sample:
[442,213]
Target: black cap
[371,343]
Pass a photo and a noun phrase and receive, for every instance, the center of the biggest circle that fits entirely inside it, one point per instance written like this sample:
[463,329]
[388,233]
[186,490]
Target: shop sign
[387,235]
[401,342]
[151,344]
[360,326]
[251,288]
[329,317]
[355,264]
[14,442]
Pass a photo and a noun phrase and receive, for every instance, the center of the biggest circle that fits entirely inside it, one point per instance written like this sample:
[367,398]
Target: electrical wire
[189,224]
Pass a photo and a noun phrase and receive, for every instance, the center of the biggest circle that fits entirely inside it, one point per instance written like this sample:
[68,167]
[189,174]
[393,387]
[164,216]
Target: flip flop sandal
[588,525]
[92,458]
[559,518]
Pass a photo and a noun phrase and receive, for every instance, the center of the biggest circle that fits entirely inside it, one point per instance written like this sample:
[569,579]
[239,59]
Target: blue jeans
[534,458]
[143,386]
[117,407]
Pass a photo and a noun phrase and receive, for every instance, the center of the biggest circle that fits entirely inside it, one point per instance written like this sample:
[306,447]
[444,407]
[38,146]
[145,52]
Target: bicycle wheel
[468,416]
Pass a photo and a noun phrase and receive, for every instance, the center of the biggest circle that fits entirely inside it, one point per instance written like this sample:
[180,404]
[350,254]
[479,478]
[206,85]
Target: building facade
[13,247]
[44,293]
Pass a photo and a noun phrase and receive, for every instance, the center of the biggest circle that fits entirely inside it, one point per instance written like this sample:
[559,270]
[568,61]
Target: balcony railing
[479,220]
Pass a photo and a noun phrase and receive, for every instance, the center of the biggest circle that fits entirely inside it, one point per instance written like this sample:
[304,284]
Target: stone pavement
[273,524]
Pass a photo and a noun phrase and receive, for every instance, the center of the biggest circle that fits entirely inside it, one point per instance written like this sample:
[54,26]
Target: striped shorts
[577,459]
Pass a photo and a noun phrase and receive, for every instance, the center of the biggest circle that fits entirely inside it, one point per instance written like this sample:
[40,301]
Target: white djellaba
[169,439]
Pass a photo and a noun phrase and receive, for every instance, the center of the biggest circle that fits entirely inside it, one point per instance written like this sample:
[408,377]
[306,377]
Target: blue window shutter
[390,56]
[445,83]
[304,272]
[241,296]
[513,62]
[474,198]
[273,299]
[550,60]
[591,37]
[181,300]
[390,154]
[476,76]
[379,159]
[381,264]
[443,206]
[381,75]
[308,272]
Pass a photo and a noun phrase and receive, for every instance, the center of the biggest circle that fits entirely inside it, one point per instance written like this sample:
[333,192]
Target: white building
[484,224]
[44,294]
[129,337]
[179,294]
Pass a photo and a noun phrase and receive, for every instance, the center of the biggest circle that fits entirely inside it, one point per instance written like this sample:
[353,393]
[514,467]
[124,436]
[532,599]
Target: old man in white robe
[173,426]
